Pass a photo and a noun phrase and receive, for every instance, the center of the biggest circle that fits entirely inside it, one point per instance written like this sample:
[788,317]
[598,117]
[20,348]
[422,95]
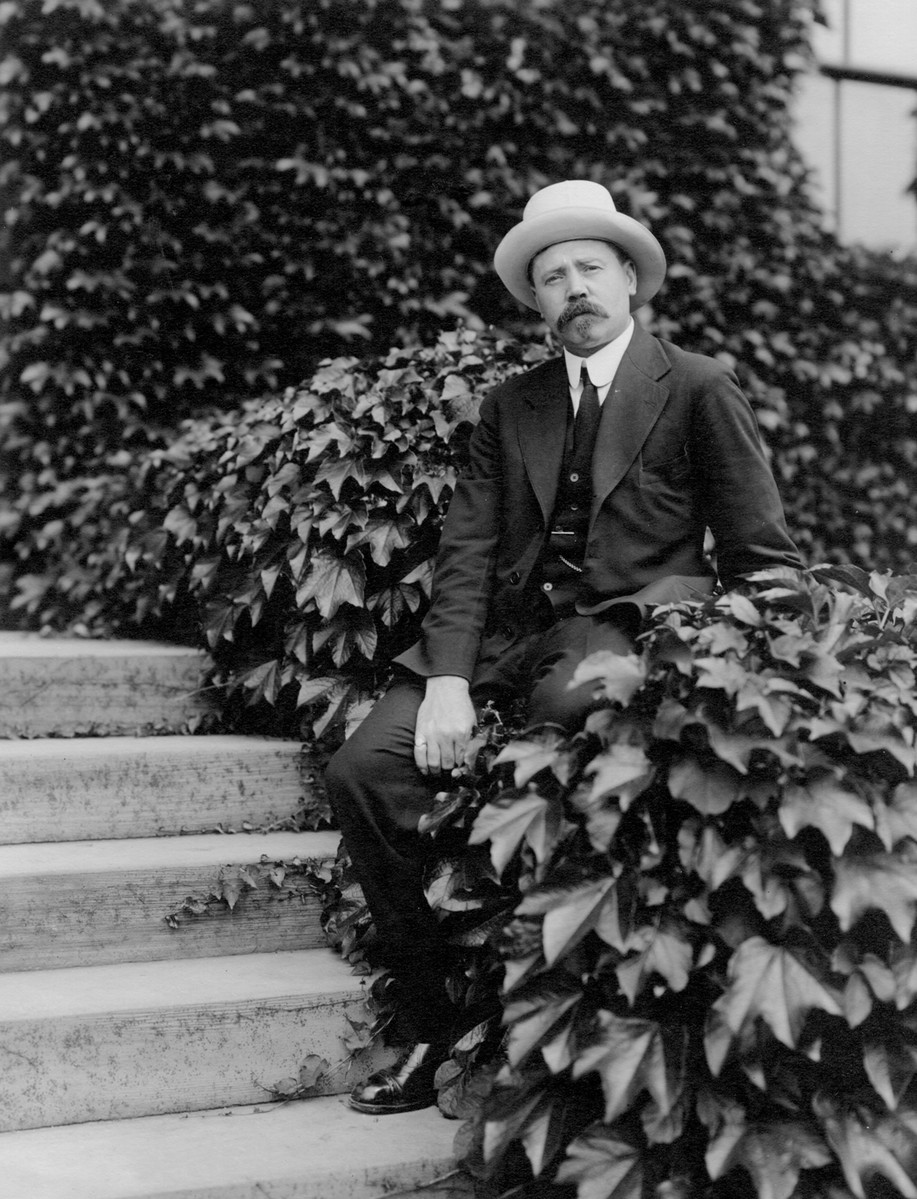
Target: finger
[420,755]
[434,759]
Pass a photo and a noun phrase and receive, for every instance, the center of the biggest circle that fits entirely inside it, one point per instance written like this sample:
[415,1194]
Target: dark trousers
[379,795]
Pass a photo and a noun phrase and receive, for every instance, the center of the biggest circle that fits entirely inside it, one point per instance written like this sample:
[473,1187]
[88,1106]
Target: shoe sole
[375,1109]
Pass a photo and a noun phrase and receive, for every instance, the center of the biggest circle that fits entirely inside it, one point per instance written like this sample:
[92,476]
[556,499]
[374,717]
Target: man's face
[583,290]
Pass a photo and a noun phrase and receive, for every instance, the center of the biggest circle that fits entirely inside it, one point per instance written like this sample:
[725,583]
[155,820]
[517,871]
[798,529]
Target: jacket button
[574,477]
[514,577]
[547,586]
[508,632]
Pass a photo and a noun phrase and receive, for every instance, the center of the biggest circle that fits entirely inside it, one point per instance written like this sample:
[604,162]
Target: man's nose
[576,285]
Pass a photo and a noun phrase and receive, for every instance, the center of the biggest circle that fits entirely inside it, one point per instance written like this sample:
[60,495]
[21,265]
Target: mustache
[579,308]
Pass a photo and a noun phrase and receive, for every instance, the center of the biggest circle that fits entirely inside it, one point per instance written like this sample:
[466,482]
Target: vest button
[574,477]
[514,577]
[547,586]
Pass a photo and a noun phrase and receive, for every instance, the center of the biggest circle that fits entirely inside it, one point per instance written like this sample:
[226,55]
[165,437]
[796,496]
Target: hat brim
[530,237]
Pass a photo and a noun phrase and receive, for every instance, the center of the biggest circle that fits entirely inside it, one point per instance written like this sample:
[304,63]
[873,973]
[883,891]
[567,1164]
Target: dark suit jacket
[678,450]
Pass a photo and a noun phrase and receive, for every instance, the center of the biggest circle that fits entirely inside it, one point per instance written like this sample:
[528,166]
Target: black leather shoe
[406,1088]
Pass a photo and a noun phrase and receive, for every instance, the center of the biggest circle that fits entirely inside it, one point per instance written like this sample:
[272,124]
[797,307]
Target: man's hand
[445,721]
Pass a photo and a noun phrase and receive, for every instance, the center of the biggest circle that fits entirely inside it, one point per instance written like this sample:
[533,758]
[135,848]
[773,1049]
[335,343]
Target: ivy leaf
[346,633]
[542,1135]
[623,771]
[884,881]
[899,588]
[181,524]
[765,695]
[734,748]
[721,674]
[898,818]
[671,718]
[533,756]
[391,603]
[825,804]
[534,1017]
[891,1066]
[768,981]
[331,582]
[383,537]
[720,638]
[572,917]
[450,886]
[825,671]
[708,855]
[726,1122]
[602,819]
[500,1133]
[775,1155]
[665,951]
[263,682]
[629,1058]
[620,676]
[711,789]
[337,471]
[602,1166]
[886,1147]
[849,576]
[742,609]
[531,818]
[667,646]
[869,743]
[311,690]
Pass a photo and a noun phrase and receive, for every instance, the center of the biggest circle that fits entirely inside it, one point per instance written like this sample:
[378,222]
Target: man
[591,484]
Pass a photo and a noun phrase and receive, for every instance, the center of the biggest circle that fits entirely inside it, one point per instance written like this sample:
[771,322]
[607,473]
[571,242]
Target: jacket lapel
[629,412]
[542,430]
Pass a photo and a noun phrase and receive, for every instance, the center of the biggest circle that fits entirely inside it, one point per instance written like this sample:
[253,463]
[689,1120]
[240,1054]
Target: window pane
[883,35]
[878,164]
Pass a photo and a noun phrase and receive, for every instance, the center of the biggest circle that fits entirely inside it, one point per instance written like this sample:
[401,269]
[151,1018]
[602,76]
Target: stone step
[308,1149]
[67,686]
[82,789]
[95,902]
[141,1039]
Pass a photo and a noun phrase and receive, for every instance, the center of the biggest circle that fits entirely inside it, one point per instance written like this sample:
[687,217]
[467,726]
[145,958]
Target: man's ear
[631,272]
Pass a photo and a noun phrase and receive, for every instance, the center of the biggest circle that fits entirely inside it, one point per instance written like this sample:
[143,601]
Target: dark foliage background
[204,199]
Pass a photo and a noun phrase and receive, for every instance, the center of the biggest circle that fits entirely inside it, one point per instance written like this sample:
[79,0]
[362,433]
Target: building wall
[856,121]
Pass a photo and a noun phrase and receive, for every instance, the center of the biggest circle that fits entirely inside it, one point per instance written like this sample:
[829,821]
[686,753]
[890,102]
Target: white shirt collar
[602,364]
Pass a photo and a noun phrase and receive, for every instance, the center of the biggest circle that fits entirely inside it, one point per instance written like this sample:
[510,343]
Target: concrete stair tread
[194,851]
[68,686]
[310,1149]
[85,750]
[131,1040]
[143,986]
[71,789]
[72,902]
[34,645]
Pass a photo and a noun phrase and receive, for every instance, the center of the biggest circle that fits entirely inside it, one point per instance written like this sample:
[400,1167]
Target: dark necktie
[587,414]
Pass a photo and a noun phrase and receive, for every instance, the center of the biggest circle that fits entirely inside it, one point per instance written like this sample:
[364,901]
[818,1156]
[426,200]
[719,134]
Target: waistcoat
[561,562]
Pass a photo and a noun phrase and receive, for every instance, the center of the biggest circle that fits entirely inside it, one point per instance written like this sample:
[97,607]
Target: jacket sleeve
[739,494]
[464,570]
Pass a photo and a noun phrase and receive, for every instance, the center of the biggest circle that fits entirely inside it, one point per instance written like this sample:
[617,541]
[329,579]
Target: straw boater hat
[570,211]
